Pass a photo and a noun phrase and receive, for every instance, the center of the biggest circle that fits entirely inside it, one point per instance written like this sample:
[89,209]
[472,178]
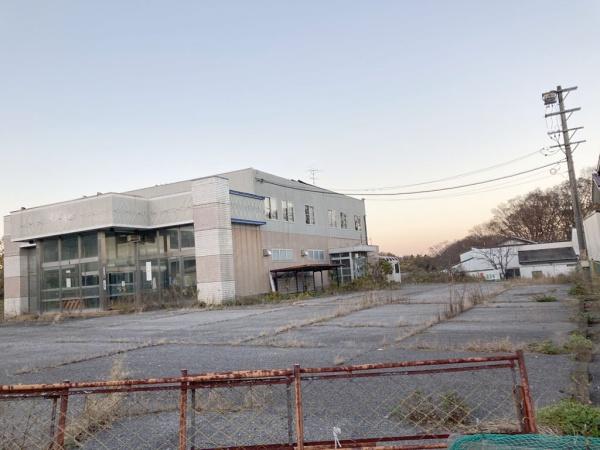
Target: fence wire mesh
[386,404]
[400,403]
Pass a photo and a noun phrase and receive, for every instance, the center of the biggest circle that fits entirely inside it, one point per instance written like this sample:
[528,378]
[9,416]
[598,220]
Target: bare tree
[498,257]
[541,215]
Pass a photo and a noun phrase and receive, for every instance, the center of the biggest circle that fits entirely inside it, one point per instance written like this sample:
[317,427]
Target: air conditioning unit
[266,252]
[133,238]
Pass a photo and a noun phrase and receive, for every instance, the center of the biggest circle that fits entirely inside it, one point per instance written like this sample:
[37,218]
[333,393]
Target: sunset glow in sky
[116,95]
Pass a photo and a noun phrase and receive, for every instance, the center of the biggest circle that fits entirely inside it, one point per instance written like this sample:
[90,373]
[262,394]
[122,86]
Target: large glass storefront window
[70,277]
[149,267]
[50,250]
[155,266]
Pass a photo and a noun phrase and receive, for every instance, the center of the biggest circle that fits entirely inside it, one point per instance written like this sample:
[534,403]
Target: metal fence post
[183,411]
[193,424]
[531,425]
[53,419]
[299,412]
[59,442]
[288,388]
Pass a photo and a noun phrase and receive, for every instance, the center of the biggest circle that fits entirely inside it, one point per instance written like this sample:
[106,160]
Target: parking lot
[409,323]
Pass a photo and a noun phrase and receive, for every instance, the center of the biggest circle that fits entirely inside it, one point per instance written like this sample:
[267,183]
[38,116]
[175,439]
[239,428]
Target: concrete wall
[591,226]
[548,270]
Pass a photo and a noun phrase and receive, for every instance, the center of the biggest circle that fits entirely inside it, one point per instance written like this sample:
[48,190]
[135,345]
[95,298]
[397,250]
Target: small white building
[395,263]
[520,258]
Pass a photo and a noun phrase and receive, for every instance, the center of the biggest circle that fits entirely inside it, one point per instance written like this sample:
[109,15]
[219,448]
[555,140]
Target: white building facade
[209,239]
[519,258]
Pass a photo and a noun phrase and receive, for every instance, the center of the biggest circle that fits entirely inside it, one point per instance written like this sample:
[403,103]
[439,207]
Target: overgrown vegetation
[546,347]
[539,215]
[578,289]
[545,298]
[578,343]
[99,412]
[572,418]
[445,409]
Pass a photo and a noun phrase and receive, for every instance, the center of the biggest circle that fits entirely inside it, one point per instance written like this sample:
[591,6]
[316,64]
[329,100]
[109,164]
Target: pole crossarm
[566,111]
[571,143]
[550,133]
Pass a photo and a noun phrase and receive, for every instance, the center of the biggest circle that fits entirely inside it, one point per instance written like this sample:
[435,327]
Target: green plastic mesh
[524,442]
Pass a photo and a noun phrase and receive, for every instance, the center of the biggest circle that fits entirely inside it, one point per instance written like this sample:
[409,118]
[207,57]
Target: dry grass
[226,400]
[99,411]
[338,360]
[499,346]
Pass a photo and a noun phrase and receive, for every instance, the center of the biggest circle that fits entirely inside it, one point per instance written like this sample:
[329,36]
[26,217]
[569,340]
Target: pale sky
[115,95]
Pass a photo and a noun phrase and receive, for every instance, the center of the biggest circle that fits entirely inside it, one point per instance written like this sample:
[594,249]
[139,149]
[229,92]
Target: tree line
[541,215]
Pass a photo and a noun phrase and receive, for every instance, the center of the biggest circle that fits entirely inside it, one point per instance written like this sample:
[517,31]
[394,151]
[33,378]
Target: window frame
[270,204]
[343,220]
[332,218]
[309,215]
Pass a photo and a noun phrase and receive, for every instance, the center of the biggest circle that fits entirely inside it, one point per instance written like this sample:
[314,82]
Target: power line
[460,175]
[358,194]
[476,183]
[462,194]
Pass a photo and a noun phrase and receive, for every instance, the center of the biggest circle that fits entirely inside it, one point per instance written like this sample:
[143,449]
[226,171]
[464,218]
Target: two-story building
[213,239]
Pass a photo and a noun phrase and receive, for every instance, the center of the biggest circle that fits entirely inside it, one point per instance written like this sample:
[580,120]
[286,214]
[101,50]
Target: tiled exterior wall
[15,276]
[212,232]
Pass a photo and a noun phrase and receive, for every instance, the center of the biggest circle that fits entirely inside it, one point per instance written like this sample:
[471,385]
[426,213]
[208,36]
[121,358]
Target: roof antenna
[313,175]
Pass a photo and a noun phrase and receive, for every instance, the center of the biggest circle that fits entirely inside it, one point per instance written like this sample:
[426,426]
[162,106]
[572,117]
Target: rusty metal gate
[399,405]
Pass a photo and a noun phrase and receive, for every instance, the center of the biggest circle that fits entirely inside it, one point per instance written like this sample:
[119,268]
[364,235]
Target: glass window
[172,276]
[189,272]
[70,277]
[171,239]
[50,250]
[89,245]
[69,248]
[149,275]
[309,213]
[317,255]
[282,254]
[119,250]
[287,210]
[120,283]
[90,274]
[343,220]
[357,223]
[187,237]
[271,208]
[147,244]
[50,279]
[332,218]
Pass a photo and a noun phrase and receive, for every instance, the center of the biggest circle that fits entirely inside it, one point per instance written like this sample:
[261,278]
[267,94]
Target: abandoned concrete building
[213,239]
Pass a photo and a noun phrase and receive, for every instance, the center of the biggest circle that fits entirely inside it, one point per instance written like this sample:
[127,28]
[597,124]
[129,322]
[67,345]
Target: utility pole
[567,133]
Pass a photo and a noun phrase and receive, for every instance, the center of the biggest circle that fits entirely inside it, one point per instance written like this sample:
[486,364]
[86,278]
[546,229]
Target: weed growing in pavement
[545,298]
[578,289]
[546,347]
[578,343]
[99,411]
[446,409]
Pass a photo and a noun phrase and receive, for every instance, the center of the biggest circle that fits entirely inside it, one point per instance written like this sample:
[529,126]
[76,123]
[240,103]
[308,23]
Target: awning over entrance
[303,270]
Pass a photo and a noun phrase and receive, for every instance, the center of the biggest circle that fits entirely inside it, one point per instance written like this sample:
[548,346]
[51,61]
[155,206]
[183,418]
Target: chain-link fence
[411,404]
